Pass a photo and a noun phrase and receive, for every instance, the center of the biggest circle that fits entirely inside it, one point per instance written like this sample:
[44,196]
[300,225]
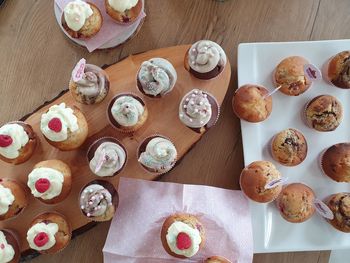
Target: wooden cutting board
[163,119]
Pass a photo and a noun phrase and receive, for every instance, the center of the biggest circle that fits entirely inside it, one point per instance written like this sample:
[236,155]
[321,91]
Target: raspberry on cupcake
[123,11]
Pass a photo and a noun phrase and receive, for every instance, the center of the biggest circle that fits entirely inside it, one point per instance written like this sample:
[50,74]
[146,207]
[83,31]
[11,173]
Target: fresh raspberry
[183,241]
[42,185]
[41,239]
[55,124]
[5,140]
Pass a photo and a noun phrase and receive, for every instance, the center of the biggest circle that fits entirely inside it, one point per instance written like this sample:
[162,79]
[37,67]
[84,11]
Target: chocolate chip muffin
[340,206]
[289,147]
[216,259]
[323,113]
[338,72]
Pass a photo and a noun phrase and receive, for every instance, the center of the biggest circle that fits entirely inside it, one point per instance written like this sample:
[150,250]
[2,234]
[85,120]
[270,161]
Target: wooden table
[36,61]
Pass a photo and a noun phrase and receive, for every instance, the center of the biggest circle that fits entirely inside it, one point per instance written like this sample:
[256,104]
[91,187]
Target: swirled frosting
[95,200]
[109,158]
[127,111]
[160,155]
[19,139]
[122,5]
[67,118]
[55,178]
[195,109]
[7,253]
[205,55]
[76,13]
[157,76]
[49,229]
[6,199]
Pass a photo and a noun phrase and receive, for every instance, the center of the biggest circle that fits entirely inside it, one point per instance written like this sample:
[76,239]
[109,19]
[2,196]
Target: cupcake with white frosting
[205,59]
[106,157]
[17,142]
[127,112]
[63,127]
[9,247]
[50,181]
[156,77]
[123,11]
[81,19]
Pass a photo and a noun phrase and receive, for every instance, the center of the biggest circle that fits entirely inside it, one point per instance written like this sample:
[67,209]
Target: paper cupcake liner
[320,163]
[324,71]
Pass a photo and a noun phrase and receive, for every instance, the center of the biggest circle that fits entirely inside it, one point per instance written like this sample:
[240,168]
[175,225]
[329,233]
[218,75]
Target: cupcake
[296,202]
[17,142]
[323,113]
[289,74]
[338,72]
[13,198]
[156,77]
[49,233]
[254,179]
[182,235]
[10,250]
[50,181]
[335,162]
[251,103]
[99,201]
[123,11]
[92,87]
[199,110]
[63,127]
[106,157]
[217,259]
[157,154]
[340,206]
[81,19]
[289,147]
[127,112]
[205,59]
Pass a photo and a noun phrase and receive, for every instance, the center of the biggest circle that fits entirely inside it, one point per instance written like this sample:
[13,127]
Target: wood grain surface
[36,59]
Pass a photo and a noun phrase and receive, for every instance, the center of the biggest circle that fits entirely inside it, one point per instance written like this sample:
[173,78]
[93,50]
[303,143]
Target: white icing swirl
[160,155]
[50,229]
[68,119]
[179,227]
[76,13]
[127,111]
[157,76]
[122,5]
[109,158]
[19,139]
[7,253]
[6,199]
[95,200]
[55,178]
[205,55]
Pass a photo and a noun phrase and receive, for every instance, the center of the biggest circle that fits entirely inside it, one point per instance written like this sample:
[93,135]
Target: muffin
[199,110]
[49,233]
[63,127]
[50,181]
[156,77]
[296,202]
[337,71]
[251,103]
[182,235]
[17,142]
[106,157]
[335,162]
[99,201]
[340,205]
[13,198]
[157,154]
[255,177]
[217,259]
[123,11]
[205,59]
[81,19]
[127,112]
[323,113]
[10,250]
[289,74]
[289,147]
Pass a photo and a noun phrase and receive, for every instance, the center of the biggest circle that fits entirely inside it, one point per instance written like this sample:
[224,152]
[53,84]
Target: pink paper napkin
[109,29]
[134,234]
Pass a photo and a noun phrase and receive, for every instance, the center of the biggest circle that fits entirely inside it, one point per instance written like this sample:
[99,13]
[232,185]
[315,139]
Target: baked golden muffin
[338,71]
[289,147]
[50,181]
[255,177]
[324,113]
[17,142]
[335,162]
[289,74]
[296,202]
[340,206]
[217,259]
[13,198]
[182,235]
[123,11]
[63,127]
[10,250]
[81,19]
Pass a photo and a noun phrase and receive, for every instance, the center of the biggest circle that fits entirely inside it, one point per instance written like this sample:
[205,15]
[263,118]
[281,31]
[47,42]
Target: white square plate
[256,62]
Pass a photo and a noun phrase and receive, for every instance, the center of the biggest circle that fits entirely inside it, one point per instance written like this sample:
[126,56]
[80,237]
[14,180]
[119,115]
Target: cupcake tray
[256,62]
[163,119]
